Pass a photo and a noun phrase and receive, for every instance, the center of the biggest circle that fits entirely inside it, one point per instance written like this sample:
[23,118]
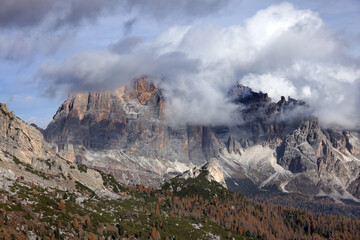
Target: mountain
[26,156]
[279,144]
[44,196]
[122,132]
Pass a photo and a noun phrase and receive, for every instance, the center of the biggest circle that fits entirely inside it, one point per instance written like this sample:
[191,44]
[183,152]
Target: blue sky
[49,50]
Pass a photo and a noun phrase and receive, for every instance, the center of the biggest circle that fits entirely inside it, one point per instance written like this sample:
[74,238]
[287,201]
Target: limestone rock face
[213,168]
[24,153]
[191,173]
[20,139]
[215,172]
[123,132]
[319,159]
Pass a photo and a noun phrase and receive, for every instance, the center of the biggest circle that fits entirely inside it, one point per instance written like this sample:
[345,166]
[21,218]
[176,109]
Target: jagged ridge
[122,132]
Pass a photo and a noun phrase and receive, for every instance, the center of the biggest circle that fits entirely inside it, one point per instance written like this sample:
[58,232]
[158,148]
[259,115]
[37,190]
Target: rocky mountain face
[25,156]
[123,133]
[213,169]
[19,139]
[276,143]
[44,196]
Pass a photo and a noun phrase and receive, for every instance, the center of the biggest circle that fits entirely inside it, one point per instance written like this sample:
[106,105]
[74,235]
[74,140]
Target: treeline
[182,209]
[250,218]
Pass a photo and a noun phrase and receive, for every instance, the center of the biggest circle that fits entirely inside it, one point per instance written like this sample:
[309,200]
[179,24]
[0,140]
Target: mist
[280,50]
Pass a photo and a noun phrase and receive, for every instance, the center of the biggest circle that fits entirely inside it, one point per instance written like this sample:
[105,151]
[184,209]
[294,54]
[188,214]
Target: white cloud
[280,50]
[272,83]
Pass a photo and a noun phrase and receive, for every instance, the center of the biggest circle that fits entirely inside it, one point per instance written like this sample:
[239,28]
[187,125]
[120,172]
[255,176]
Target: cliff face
[20,139]
[25,155]
[123,132]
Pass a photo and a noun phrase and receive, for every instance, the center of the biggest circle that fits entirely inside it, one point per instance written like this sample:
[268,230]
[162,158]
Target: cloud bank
[45,23]
[280,50]
[17,14]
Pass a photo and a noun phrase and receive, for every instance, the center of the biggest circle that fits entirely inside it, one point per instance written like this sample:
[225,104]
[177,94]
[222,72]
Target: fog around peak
[280,50]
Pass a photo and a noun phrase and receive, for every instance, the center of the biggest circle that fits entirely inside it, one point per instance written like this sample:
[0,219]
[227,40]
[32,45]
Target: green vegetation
[130,217]
[182,209]
[272,194]
[84,189]
[82,168]
[17,161]
[30,169]
[110,181]
[196,186]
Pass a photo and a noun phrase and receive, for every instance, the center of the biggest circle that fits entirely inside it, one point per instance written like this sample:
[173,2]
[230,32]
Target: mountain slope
[25,155]
[57,199]
[275,143]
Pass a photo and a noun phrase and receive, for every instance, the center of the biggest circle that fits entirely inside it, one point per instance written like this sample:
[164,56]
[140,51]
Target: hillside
[195,209]
[57,199]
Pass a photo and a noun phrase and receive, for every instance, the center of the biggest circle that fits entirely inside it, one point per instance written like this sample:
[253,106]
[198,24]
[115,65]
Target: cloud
[75,12]
[41,27]
[125,45]
[24,13]
[58,14]
[13,46]
[96,70]
[176,9]
[45,23]
[15,13]
[128,25]
[280,50]
[330,89]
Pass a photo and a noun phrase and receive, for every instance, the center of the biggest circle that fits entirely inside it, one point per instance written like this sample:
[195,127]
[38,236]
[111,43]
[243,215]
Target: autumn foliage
[251,218]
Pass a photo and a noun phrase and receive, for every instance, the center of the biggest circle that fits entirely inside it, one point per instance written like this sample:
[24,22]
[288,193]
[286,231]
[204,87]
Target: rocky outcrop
[19,139]
[24,154]
[214,172]
[312,154]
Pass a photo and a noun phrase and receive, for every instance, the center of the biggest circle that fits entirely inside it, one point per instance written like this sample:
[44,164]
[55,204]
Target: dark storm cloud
[160,9]
[29,13]
[24,13]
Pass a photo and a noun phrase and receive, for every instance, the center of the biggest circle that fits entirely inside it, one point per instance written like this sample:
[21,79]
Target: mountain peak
[275,143]
[5,110]
[144,90]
